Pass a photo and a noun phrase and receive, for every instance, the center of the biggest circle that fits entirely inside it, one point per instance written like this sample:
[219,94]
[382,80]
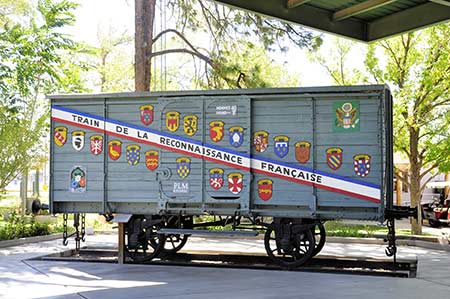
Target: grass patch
[17,226]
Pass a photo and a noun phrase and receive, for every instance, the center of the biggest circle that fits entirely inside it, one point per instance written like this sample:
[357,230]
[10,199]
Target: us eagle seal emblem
[347,116]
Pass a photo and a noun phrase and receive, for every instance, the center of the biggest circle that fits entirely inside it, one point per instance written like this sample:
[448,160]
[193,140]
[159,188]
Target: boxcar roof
[252,91]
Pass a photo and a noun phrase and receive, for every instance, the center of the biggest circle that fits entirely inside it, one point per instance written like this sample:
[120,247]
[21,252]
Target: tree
[418,68]
[254,67]
[335,61]
[31,65]
[223,25]
[113,65]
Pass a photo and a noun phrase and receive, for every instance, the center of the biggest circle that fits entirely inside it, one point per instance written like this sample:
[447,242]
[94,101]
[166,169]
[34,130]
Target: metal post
[121,243]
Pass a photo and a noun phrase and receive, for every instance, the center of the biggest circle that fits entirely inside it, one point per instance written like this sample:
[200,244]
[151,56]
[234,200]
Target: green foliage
[418,70]
[339,229]
[257,70]
[32,64]
[335,61]
[21,227]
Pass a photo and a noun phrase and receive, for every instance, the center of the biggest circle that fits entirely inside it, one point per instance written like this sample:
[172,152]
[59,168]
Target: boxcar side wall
[312,153]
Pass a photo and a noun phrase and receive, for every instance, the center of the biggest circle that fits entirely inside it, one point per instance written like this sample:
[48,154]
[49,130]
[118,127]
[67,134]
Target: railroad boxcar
[284,159]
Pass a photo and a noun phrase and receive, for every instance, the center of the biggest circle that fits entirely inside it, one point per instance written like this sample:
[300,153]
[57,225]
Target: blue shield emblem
[281,145]
[361,164]
[236,136]
[133,154]
[183,167]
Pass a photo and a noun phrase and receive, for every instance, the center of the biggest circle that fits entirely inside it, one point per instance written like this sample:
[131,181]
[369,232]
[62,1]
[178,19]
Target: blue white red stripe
[194,148]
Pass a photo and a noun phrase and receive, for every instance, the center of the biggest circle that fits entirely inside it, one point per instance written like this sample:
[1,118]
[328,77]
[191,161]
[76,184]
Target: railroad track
[321,264]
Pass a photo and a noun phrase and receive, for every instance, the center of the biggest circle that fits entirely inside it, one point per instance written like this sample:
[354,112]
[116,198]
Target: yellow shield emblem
[190,124]
[172,120]
[60,136]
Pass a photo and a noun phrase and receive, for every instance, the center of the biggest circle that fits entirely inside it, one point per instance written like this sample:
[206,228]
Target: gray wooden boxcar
[300,156]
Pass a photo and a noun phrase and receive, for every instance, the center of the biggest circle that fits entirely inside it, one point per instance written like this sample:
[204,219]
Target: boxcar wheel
[296,253]
[175,242]
[319,238]
[144,245]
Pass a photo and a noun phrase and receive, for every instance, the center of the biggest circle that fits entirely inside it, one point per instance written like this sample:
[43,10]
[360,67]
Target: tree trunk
[144,17]
[414,177]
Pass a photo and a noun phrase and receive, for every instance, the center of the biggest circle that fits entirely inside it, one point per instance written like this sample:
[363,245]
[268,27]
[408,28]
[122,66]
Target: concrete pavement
[22,278]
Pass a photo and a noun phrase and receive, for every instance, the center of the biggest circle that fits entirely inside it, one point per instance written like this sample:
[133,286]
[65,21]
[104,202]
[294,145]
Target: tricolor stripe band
[197,149]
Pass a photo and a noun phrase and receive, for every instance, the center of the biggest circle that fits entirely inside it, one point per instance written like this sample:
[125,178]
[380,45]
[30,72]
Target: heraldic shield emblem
[216,130]
[96,144]
[216,178]
[260,141]
[235,182]
[183,167]
[281,145]
[236,136]
[78,140]
[151,160]
[172,120]
[302,150]
[190,124]
[147,114]
[334,157]
[361,164]
[60,136]
[133,154]
[265,189]
[114,149]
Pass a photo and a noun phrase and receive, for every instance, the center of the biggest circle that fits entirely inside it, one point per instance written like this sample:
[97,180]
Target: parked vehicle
[284,160]
[437,211]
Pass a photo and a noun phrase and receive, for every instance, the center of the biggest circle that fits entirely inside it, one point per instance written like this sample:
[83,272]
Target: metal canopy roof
[365,20]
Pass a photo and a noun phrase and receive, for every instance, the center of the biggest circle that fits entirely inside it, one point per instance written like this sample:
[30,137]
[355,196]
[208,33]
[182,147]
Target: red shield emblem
[216,178]
[216,130]
[265,189]
[146,114]
[96,144]
[151,160]
[235,182]
[334,157]
[302,150]
[114,149]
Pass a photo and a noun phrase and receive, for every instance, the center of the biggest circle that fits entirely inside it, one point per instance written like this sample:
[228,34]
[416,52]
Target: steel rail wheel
[291,251]
[319,238]
[143,244]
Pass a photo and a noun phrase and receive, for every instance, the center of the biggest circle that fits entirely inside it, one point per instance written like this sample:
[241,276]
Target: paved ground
[21,278]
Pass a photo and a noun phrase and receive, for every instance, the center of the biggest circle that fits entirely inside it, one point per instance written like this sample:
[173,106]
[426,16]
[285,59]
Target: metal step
[176,231]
